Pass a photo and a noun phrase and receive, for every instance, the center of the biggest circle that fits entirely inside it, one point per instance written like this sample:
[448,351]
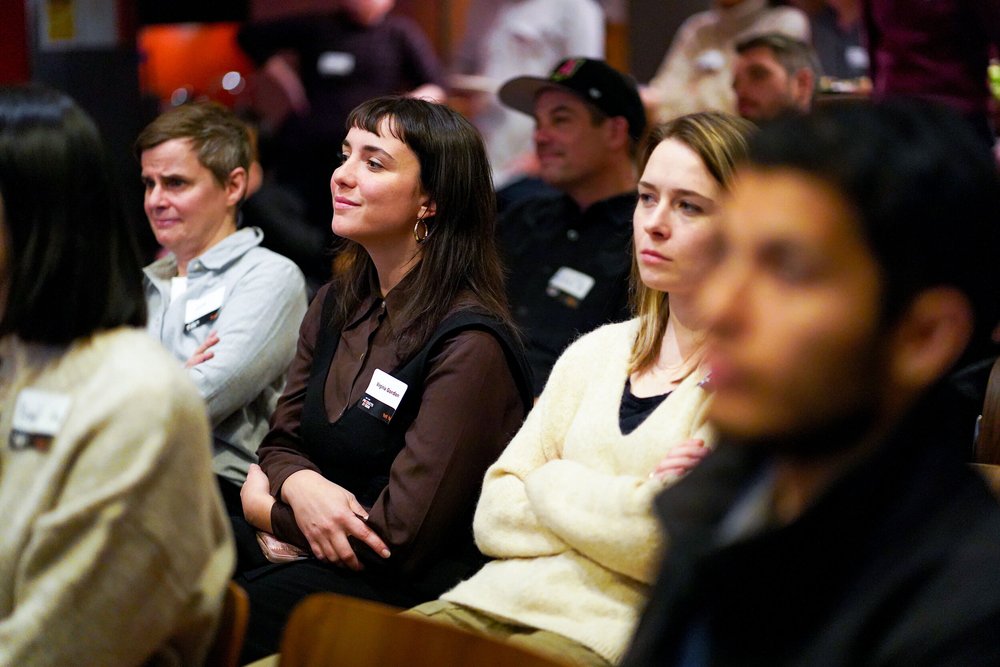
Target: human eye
[173,182]
[147,183]
[790,267]
[374,164]
[689,207]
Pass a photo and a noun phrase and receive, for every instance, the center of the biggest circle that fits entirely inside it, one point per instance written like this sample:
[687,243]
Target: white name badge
[203,309]
[572,282]
[38,416]
[335,63]
[383,396]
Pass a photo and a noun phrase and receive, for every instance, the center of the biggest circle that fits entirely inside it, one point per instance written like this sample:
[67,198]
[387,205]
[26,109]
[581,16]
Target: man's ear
[236,186]
[805,83]
[930,337]
[617,132]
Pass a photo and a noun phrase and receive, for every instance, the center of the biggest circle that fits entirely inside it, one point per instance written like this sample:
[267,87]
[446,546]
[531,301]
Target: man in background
[773,73]
[569,255]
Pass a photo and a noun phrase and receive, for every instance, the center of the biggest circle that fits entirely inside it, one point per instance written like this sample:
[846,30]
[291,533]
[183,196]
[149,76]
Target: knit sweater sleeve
[608,517]
[505,524]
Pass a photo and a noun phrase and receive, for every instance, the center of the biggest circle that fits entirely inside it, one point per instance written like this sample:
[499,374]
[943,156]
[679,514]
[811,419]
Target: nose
[657,223]
[541,135]
[154,196]
[342,176]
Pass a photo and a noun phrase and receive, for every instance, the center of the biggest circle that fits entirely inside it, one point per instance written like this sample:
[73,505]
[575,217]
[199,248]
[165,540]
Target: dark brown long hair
[460,253]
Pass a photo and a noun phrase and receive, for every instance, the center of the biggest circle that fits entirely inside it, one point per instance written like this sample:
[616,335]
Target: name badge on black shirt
[382,396]
[569,286]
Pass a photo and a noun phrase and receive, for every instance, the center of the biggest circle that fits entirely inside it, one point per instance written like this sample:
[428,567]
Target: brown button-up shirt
[469,410]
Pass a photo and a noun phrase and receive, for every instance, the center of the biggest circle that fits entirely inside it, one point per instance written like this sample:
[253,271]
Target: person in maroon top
[407,383]
[936,51]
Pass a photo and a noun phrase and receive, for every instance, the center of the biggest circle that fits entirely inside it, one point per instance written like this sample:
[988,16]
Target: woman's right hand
[328,514]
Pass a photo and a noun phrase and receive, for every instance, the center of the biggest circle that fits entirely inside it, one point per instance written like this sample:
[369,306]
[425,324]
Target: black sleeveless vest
[357,450]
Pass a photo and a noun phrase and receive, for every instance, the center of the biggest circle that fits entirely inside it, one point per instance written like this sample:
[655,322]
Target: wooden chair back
[331,630]
[225,649]
[988,442]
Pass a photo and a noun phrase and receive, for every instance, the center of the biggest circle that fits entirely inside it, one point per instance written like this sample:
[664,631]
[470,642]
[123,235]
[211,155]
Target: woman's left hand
[257,499]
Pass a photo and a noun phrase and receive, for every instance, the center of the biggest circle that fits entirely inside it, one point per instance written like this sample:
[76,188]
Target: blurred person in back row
[325,63]
[773,74]
[837,522]
[225,307]
[114,549]
[697,72]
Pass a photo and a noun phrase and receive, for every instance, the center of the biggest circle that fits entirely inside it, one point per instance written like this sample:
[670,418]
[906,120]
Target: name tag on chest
[570,286]
[335,63]
[382,396]
[38,416]
[204,309]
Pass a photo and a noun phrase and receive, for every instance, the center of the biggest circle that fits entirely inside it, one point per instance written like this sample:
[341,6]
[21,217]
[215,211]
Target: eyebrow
[369,150]
[676,191]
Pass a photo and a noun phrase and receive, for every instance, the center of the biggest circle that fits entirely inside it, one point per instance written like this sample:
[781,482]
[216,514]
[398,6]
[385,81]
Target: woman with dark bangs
[407,383]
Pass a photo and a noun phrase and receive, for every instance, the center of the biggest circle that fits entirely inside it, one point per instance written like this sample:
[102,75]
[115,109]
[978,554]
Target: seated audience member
[408,380]
[568,255]
[567,509]
[508,38]
[773,74]
[836,37]
[104,439]
[220,303]
[697,72]
[327,63]
[936,51]
[836,523]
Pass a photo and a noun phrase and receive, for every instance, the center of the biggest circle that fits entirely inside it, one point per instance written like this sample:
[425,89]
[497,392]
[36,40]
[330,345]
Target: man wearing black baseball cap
[568,254]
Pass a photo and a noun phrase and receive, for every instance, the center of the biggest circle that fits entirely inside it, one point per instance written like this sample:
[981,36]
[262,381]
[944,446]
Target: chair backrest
[228,643]
[988,442]
[991,473]
[336,631]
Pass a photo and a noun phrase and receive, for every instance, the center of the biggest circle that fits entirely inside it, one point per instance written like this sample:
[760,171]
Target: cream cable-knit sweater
[566,509]
[114,547]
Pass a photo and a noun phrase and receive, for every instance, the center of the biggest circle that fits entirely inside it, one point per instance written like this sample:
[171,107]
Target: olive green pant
[540,641]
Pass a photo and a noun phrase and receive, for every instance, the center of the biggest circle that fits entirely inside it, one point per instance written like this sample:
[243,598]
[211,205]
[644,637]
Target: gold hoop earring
[416,231]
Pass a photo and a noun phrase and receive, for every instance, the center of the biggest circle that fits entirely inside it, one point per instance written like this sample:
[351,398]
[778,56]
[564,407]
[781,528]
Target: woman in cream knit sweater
[566,510]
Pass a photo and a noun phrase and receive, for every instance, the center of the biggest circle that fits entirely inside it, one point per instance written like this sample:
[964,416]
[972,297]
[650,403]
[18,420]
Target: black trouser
[275,589]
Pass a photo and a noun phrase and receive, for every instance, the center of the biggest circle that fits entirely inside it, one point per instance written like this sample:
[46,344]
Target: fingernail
[385,553]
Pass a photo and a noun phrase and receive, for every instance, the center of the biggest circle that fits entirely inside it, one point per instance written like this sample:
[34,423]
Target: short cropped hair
[72,263]
[924,189]
[219,138]
[720,140]
[792,54]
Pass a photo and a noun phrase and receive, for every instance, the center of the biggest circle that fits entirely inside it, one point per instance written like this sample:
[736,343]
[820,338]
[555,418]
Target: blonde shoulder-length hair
[720,140]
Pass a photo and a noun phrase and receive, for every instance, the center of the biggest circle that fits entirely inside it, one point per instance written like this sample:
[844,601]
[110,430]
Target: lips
[165,223]
[651,256]
[343,203]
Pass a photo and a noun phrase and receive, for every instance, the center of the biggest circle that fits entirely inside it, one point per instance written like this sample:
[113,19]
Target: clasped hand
[328,514]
